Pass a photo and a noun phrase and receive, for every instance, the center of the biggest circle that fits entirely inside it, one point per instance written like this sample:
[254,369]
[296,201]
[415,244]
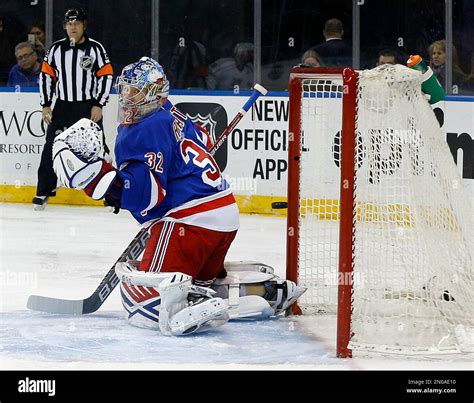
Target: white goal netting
[413,228]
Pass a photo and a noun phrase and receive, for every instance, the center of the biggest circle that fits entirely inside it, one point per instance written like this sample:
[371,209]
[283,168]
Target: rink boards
[254,160]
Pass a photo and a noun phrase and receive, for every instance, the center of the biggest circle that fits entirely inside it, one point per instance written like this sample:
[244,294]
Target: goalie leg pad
[248,265]
[243,277]
[140,296]
[276,294]
[178,317]
[142,305]
[251,307]
[174,293]
[207,314]
[168,301]
[244,265]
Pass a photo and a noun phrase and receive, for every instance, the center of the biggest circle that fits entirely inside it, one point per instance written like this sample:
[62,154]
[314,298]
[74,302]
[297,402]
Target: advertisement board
[254,159]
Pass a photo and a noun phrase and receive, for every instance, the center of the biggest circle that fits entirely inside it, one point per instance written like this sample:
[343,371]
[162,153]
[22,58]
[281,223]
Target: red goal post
[298,74]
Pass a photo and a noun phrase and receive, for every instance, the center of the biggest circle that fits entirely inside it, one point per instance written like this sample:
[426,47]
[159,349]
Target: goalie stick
[106,286]
[133,250]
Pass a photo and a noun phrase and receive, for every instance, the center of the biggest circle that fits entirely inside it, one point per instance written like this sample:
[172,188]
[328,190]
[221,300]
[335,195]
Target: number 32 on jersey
[155,161]
[201,158]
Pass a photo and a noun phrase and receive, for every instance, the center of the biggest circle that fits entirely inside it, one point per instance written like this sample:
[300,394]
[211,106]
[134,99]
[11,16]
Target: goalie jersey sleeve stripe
[157,193]
[142,191]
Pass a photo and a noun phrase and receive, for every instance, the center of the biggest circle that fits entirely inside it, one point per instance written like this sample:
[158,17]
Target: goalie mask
[142,87]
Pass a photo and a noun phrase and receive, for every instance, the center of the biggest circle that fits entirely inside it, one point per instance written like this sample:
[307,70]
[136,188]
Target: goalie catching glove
[79,164]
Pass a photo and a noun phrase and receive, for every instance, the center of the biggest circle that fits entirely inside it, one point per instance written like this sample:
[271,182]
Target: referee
[78,72]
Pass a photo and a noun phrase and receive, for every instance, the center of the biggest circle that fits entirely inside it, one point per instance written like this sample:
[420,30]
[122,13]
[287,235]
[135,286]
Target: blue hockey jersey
[168,174]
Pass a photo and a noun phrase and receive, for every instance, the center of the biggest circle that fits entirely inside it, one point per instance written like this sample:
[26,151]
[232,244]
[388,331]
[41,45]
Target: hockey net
[385,242]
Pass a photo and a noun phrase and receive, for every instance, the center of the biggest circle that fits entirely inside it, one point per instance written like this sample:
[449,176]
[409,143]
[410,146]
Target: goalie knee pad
[168,301]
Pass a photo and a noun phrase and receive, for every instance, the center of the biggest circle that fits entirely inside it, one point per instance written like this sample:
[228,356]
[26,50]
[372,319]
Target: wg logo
[213,118]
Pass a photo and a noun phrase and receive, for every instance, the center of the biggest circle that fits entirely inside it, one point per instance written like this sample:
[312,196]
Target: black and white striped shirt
[76,73]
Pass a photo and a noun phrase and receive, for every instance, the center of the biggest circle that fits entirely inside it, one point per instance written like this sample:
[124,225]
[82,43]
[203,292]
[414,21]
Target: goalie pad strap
[244,277]
[234,294]
[248,265]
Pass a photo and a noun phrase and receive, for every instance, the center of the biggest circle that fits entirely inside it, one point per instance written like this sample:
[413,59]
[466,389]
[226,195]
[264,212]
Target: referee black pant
[65,114]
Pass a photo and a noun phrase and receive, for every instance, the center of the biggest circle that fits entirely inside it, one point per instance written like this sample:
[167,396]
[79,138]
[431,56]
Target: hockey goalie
[171,184]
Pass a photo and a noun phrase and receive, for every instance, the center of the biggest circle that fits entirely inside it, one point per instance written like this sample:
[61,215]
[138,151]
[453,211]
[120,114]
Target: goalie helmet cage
[386,241]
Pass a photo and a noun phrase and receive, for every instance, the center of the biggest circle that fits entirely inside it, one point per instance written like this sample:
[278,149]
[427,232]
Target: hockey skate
[281,294]
[39,202]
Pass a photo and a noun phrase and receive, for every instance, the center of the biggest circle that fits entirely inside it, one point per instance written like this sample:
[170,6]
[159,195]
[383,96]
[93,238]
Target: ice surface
[65,251]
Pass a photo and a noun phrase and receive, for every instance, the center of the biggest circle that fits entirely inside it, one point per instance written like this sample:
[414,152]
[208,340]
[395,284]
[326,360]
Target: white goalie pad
[244,306]
[279,294]
[162,301]
[248,265]
[251,307]
[128,273]
[243,277]
[207,314]
[140,295]
[178,317]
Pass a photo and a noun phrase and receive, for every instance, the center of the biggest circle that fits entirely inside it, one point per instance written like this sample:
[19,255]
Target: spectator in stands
[26,73]
[228,72]
[388,56]
[311,58]
[334,52]
[38,30]
[437,53]
[188,65]
[7,55]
